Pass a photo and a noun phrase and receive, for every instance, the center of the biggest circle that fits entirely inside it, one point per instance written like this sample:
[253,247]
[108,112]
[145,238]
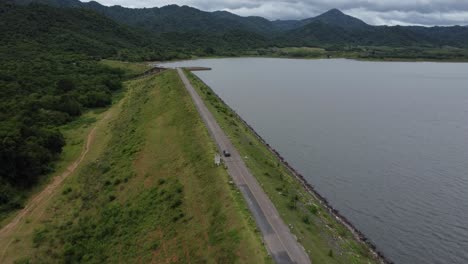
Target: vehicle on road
[226,153]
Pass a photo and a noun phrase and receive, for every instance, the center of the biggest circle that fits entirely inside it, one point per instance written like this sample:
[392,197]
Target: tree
[66,85]
[69,105]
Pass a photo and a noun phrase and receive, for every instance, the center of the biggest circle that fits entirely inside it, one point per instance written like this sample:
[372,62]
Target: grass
[325,240]
[299,52]
[147,192]
[130,69]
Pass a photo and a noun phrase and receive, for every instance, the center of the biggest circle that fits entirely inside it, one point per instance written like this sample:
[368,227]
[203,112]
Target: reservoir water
[385,142]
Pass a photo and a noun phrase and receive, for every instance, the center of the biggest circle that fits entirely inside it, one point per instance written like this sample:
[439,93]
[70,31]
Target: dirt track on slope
[43,197]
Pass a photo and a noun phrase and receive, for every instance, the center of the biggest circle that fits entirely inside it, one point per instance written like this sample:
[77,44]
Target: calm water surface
[385,142]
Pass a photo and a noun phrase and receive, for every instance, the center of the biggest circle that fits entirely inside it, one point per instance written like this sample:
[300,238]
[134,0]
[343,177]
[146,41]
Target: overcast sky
[376,12]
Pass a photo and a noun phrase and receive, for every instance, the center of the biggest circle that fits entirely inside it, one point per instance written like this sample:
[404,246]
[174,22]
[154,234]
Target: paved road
[281,244]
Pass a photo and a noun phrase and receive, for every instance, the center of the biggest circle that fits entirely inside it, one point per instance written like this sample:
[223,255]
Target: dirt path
[43,197]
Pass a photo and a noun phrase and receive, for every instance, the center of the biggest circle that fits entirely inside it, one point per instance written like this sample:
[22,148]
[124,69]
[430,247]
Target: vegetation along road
[282,245]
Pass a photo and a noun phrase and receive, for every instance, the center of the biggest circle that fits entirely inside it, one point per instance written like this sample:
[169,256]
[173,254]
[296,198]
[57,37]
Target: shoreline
[389,59]
[358,235]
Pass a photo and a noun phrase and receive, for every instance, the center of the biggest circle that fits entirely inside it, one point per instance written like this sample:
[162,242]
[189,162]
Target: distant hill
[57,3]
[335,17]
[170,18]
[107,31]
[336,28]
[72,30]
[330,28]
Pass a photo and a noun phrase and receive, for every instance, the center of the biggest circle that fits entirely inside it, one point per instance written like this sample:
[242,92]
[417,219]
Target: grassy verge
[148,192]
[295,52]
[325,239]
[130,69]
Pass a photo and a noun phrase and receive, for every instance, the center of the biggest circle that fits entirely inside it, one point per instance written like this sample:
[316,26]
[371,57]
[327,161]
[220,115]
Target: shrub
[313,209]
[67,191]
[39,236]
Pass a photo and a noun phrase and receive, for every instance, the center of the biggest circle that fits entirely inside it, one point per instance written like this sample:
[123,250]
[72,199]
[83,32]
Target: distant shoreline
[155,63]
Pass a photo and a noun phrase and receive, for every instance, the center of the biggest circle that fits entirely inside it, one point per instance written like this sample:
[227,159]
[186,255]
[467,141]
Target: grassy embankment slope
[147,192]
[326,240]
[131,69]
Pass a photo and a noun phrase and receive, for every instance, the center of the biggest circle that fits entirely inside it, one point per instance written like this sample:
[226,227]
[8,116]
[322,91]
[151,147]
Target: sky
[375,12]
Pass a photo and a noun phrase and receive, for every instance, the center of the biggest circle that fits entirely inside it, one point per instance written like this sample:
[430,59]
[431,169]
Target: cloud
[376,12]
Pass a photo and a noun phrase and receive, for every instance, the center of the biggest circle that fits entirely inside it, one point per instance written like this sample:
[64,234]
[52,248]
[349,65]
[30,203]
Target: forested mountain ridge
[74,30]
[335,17]
[330,28]
[170,18]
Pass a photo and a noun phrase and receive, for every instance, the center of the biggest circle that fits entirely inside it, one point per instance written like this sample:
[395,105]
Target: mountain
[336,28]
[173,18]
[330,28]
[56,3]
[73,30]
[170,18]
[335,17]
[456,36]
[155,33]
[318,33]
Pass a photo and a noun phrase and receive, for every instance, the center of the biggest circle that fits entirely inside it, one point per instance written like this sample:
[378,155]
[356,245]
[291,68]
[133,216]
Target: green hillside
[335,17]
[330,28]
[39,28]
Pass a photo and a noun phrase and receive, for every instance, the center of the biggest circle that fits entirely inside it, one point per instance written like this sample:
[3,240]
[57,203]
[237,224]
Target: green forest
[46,79]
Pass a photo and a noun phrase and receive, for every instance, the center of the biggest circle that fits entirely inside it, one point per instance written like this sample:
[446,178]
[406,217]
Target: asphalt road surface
[281,244]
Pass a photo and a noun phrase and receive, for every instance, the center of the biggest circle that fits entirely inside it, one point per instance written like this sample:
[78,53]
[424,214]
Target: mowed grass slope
[151,194]
[325,240]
